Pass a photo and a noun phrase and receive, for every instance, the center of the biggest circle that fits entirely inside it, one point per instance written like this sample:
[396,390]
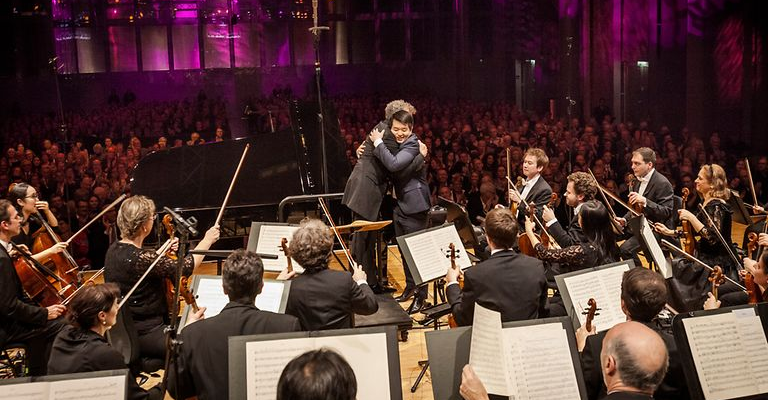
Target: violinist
[27,200]
[508,282]
[127,260]
[23,321]
[711,183]
[580,188]
[739,297]
[535,189]
[652,193]
[82,345]
[599,248]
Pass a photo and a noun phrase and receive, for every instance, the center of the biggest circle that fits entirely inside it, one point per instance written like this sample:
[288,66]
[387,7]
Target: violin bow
[535,217]
[104,211]
[711,224]
[344,247]
[608,193]
[751,181]
[667,244]
[232,185]
[89,281]
[161,253]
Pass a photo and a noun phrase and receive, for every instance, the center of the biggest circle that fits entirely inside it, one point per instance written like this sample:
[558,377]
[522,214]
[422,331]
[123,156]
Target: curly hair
[134,212]
[398,105]
[718,182]
[242,275]
[311,245]
[583,184]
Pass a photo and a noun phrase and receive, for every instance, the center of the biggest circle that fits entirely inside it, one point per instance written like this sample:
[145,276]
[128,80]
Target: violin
[63,263]
[753,290]
[591,312]
[689,244]
[638,208]
[284,247]
[524,242]
[717,279]
[186,294]
[452,254]
[35,280]
[752,245]
[170,287]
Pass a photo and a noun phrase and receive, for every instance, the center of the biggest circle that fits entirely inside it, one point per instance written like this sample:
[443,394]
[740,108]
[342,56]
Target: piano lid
[199,176]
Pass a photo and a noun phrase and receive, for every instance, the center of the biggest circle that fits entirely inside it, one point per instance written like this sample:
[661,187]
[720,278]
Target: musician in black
[643,296]
[23,321]
[27,201]
[598,249]
[322,298]
[508,282]
[126,262]
[82,345]
[203,356]
[738,297]
[535,189]
[652,192]
[580,189]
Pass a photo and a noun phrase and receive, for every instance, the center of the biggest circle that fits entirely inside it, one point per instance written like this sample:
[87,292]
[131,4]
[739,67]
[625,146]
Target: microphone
[188,224]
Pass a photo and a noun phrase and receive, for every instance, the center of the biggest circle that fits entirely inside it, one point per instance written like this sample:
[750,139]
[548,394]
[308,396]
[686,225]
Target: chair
[124,338]
[13,361]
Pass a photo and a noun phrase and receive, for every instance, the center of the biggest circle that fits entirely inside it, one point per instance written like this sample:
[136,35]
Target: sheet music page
[26,391]
[270,297]
[751,334]
[102,388]
[656,253]
[720,365]
[604,286]
[539,363]
[210,294]
[487,343]
[366,354]
[270,238]
[429,249]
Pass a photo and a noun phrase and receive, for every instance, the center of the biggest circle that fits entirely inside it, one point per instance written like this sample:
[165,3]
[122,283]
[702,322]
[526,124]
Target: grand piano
[194,179]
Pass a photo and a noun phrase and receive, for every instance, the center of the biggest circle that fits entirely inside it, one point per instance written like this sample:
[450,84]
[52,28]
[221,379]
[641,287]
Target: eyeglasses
[33,196]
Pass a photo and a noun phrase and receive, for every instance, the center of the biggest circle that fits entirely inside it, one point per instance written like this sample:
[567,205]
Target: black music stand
[740,213]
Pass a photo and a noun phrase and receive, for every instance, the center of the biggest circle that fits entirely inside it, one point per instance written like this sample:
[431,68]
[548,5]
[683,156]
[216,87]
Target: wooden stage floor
[414,349]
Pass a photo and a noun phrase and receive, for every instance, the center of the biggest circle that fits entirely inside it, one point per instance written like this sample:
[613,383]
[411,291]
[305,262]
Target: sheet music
[270,238]
[486,345]
[107,388]
[603,285]
[271,296]
[429,250]
[656,253]
[532,354]
[720,365]
[366,354]
[751,334]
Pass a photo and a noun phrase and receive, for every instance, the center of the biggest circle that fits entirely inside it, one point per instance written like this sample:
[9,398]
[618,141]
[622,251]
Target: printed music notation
[106,387]
[428,252]
[604,285]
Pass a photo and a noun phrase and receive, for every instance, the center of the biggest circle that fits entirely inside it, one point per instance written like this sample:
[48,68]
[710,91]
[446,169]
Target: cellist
[21,320]
[27,200]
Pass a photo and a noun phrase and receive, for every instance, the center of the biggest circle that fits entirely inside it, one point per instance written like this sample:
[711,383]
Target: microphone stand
[315,30]
[184,228]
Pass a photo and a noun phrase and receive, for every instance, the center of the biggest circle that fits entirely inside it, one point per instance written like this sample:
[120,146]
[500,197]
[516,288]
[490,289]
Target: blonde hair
[398,105]
[133,213]
[718,182]
[541,157]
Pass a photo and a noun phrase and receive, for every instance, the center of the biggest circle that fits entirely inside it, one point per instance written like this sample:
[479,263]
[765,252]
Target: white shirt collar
[647,176]
[494,251]
[577,209]
[6,245]
[533,180]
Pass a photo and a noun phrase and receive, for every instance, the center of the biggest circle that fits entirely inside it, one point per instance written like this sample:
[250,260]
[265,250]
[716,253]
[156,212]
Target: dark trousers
[152,342]
[405,224]
[39,341]
[363,249]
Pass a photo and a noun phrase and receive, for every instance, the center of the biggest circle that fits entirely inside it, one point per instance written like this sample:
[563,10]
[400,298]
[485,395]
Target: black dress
[77,350]
[574,258]
[709,248]
[124,265]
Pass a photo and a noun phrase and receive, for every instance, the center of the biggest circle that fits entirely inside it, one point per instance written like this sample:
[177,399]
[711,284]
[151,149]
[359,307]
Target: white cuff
[451,283]
[377,142]
[361,282]
[551,222]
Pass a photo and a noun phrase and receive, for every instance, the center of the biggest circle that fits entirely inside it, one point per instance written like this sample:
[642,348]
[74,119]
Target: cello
[63,263]
[689,244]
[36,280]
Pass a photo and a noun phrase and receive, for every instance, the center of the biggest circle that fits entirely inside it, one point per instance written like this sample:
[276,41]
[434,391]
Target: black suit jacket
[17,312]
[672,387]
[412,190]
[367,183]
[204,355]
[573,236]
[660,200]
[329,299]
[511,283]
[539,195]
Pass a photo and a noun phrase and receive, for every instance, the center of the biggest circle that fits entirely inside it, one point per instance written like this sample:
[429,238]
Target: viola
[717,279]
[284,247]
[689,244]
[591,312]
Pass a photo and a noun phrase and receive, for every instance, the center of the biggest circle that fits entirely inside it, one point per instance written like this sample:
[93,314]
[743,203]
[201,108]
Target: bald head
[634,358]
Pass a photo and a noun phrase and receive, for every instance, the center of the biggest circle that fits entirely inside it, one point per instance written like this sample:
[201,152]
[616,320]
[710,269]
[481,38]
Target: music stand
[646,237]
[740,213]
[361,225]
[458,215]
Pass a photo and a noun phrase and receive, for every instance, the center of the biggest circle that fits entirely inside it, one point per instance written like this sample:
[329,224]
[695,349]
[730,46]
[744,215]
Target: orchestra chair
[13,360]
[124,339]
